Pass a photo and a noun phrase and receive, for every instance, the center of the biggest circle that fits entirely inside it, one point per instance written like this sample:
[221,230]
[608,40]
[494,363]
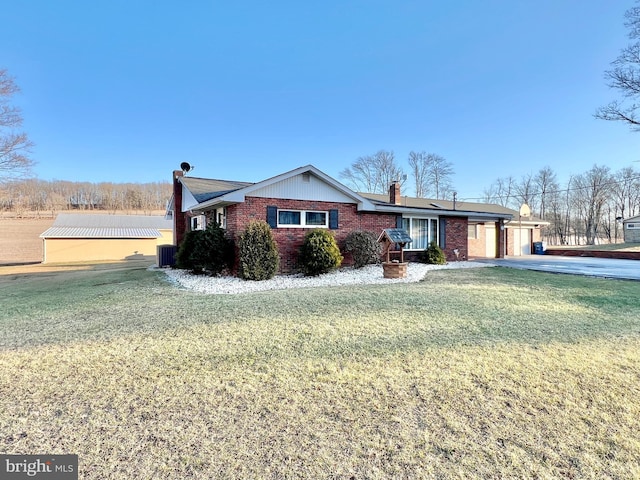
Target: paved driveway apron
[589,266]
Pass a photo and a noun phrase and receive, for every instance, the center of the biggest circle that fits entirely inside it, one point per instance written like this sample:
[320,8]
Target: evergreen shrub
[258,252]
[364,248]
[434,255]
[206,251]
[319,253]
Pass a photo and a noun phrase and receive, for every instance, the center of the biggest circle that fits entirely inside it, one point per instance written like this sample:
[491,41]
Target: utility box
[538,248]
[166,255]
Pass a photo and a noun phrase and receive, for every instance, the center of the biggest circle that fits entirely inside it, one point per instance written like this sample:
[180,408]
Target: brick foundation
[593,253]
[394,270]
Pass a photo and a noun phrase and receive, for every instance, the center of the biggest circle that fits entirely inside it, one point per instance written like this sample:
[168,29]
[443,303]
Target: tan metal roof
[90,220]
[100,232]
[76,225]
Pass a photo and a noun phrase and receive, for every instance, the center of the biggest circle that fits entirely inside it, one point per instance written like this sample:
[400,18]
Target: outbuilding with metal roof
[98,237]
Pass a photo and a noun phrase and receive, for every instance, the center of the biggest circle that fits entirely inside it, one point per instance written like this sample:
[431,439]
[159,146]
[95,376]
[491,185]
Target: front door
[492,244]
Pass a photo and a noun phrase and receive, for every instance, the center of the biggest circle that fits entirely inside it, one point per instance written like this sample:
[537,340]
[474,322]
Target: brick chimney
[394,193]
[179,218]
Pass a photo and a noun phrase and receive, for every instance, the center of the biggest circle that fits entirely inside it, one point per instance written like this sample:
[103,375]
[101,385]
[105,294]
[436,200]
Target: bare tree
[15,146]
[440,173]
[546,184]
[525,191]
[591,193]
[373,173]
[419,163]
[432,175]
[625,78]
[502,192]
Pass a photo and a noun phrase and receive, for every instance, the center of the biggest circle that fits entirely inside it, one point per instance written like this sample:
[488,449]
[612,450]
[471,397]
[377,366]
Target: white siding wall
[302,187]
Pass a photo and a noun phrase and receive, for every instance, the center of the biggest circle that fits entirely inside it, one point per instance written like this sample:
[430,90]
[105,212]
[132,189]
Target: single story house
[519,232]
[631,227]
[305,198]
[78,237]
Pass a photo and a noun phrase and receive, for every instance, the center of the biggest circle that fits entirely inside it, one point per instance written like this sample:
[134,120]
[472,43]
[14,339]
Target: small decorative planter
[394,269]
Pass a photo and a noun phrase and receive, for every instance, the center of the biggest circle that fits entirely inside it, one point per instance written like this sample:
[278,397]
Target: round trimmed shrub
[364,248]
[258,252]
[434,255]
[319,253]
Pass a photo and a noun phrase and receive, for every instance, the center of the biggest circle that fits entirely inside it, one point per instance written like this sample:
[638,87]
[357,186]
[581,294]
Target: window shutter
[399,221]
[272,216]
[443,233]
[333,219]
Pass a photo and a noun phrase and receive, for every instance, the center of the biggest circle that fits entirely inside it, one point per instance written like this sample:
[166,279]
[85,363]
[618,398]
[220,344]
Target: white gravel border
[371,274]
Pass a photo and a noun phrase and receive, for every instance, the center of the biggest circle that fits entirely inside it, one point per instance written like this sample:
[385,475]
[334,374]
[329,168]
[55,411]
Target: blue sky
[124,91]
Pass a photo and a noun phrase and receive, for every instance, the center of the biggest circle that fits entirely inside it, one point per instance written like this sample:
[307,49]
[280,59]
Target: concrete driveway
[589,266]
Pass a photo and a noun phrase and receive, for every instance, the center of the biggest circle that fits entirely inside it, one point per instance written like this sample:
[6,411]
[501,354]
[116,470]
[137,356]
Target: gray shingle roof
[429,203]
[204,189]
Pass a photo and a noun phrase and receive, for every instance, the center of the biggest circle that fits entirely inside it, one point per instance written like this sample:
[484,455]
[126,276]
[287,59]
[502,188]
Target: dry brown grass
[20,240]
[487,373]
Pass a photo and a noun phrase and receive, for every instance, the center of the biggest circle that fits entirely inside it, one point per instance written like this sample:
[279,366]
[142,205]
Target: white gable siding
[296,188]
[188,200]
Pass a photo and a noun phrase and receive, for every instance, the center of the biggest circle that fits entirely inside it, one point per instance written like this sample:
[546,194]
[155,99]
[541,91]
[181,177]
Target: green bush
[186,256]
[218,250]
[205,251]
[319,253]
[364,248]
[434,255]
[258,252]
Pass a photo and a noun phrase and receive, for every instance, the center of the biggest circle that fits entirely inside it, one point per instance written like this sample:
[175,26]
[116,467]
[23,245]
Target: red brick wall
[456,232]
[478,246]
[179,218]
[289,240]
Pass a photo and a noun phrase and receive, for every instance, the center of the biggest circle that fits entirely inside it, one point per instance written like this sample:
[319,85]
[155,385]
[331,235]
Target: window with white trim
[199,222]
[303,219]
[422,231]
[472,231]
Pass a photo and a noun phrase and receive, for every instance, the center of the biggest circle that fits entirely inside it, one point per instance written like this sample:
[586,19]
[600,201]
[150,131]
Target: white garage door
[490,229]
[521,242]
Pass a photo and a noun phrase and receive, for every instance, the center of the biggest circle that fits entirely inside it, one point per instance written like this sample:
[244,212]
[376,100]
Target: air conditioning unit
[199,222]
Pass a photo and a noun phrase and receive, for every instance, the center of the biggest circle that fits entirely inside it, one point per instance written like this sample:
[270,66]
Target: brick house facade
[289,240]
[308,190]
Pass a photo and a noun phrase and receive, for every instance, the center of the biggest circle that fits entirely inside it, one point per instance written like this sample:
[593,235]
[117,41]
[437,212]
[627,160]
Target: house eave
[399,209]
[240,195]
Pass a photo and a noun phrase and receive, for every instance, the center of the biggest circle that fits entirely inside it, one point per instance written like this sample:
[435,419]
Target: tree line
[42,197]
[587,209]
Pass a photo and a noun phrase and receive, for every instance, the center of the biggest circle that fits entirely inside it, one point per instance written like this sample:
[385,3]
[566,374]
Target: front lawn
[473,373]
